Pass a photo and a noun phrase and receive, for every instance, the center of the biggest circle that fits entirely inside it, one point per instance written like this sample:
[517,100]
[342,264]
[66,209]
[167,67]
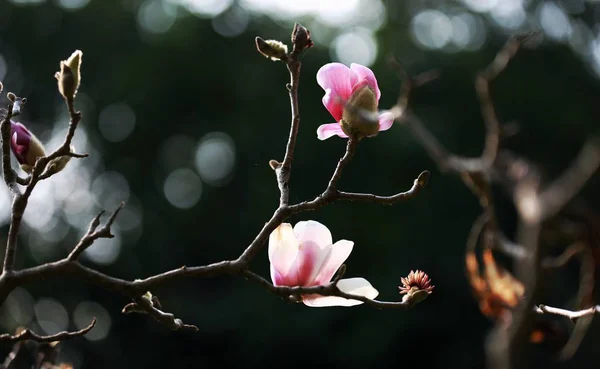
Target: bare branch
[301,41]
[585,294]
[28,334]
[573,315]
[7,172]
[144,305]
[418,185]
[92,234]
[564,188]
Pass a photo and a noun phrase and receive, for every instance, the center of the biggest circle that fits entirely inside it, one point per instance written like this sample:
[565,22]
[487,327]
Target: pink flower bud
[25,146]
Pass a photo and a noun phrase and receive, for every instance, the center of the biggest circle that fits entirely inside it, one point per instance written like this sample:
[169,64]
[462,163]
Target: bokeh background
[182,115]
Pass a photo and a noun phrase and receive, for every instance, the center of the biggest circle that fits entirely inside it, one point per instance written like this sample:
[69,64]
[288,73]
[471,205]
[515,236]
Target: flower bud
[301,37]
[359,117]
[276,50]
[58,164]
[69,75]
[25,146]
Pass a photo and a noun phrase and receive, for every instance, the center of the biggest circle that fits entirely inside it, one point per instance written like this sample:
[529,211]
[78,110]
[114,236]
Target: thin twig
[7,172]
[585,294]
[92,234]
[418,185]
[573,315]
[301,41]
[28,334]
[145,306]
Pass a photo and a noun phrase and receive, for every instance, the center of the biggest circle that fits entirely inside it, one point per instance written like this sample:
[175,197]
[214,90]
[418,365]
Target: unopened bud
[359,117]
[301,37]
[276,50]
[69,76]
[25,146]
[58,164]
[148,296]
[274,164]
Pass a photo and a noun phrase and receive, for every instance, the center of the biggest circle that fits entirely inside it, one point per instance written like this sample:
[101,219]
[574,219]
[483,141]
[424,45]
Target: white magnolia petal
[354,286]
[357,286]
[327,301]
[339,253]
[313,231]
[283,248]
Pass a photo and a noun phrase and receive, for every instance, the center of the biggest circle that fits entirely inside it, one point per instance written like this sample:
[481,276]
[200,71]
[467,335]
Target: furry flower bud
[69,76]
[276,50]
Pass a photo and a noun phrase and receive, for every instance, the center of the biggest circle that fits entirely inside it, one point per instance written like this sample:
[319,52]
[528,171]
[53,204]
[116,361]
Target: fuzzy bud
[69,76]
[360,117]
[276,50]
[25,146]
[58,164]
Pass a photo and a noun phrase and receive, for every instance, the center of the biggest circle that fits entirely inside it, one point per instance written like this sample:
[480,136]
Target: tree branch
[573,315]
[28,334]
[92,235]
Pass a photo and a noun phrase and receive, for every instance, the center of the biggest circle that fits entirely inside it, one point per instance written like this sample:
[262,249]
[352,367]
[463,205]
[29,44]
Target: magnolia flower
[306,256]
[26,147]
[352,97]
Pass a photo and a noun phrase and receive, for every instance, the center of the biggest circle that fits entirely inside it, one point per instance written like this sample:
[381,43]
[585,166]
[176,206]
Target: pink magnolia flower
[352,97]
[306,256]
[26,147]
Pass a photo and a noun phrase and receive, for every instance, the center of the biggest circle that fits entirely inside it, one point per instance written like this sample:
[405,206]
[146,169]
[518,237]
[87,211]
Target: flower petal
[309,261]
[339,253]
[364,73]
[337,81]
[279,280]
[313,231]
[386,121]
[283,248]
[354,286]
[357,286]
[328,130]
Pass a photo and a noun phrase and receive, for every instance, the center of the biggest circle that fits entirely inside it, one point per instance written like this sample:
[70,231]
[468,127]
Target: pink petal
[364,73]
[386,121]
[337,81]
[354,286]
[311,231]
[279,280]
[283,248]
[328,130]
[339,253]
[309,261]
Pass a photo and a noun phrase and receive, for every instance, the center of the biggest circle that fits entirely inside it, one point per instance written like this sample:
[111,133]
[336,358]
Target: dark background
[202,75]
